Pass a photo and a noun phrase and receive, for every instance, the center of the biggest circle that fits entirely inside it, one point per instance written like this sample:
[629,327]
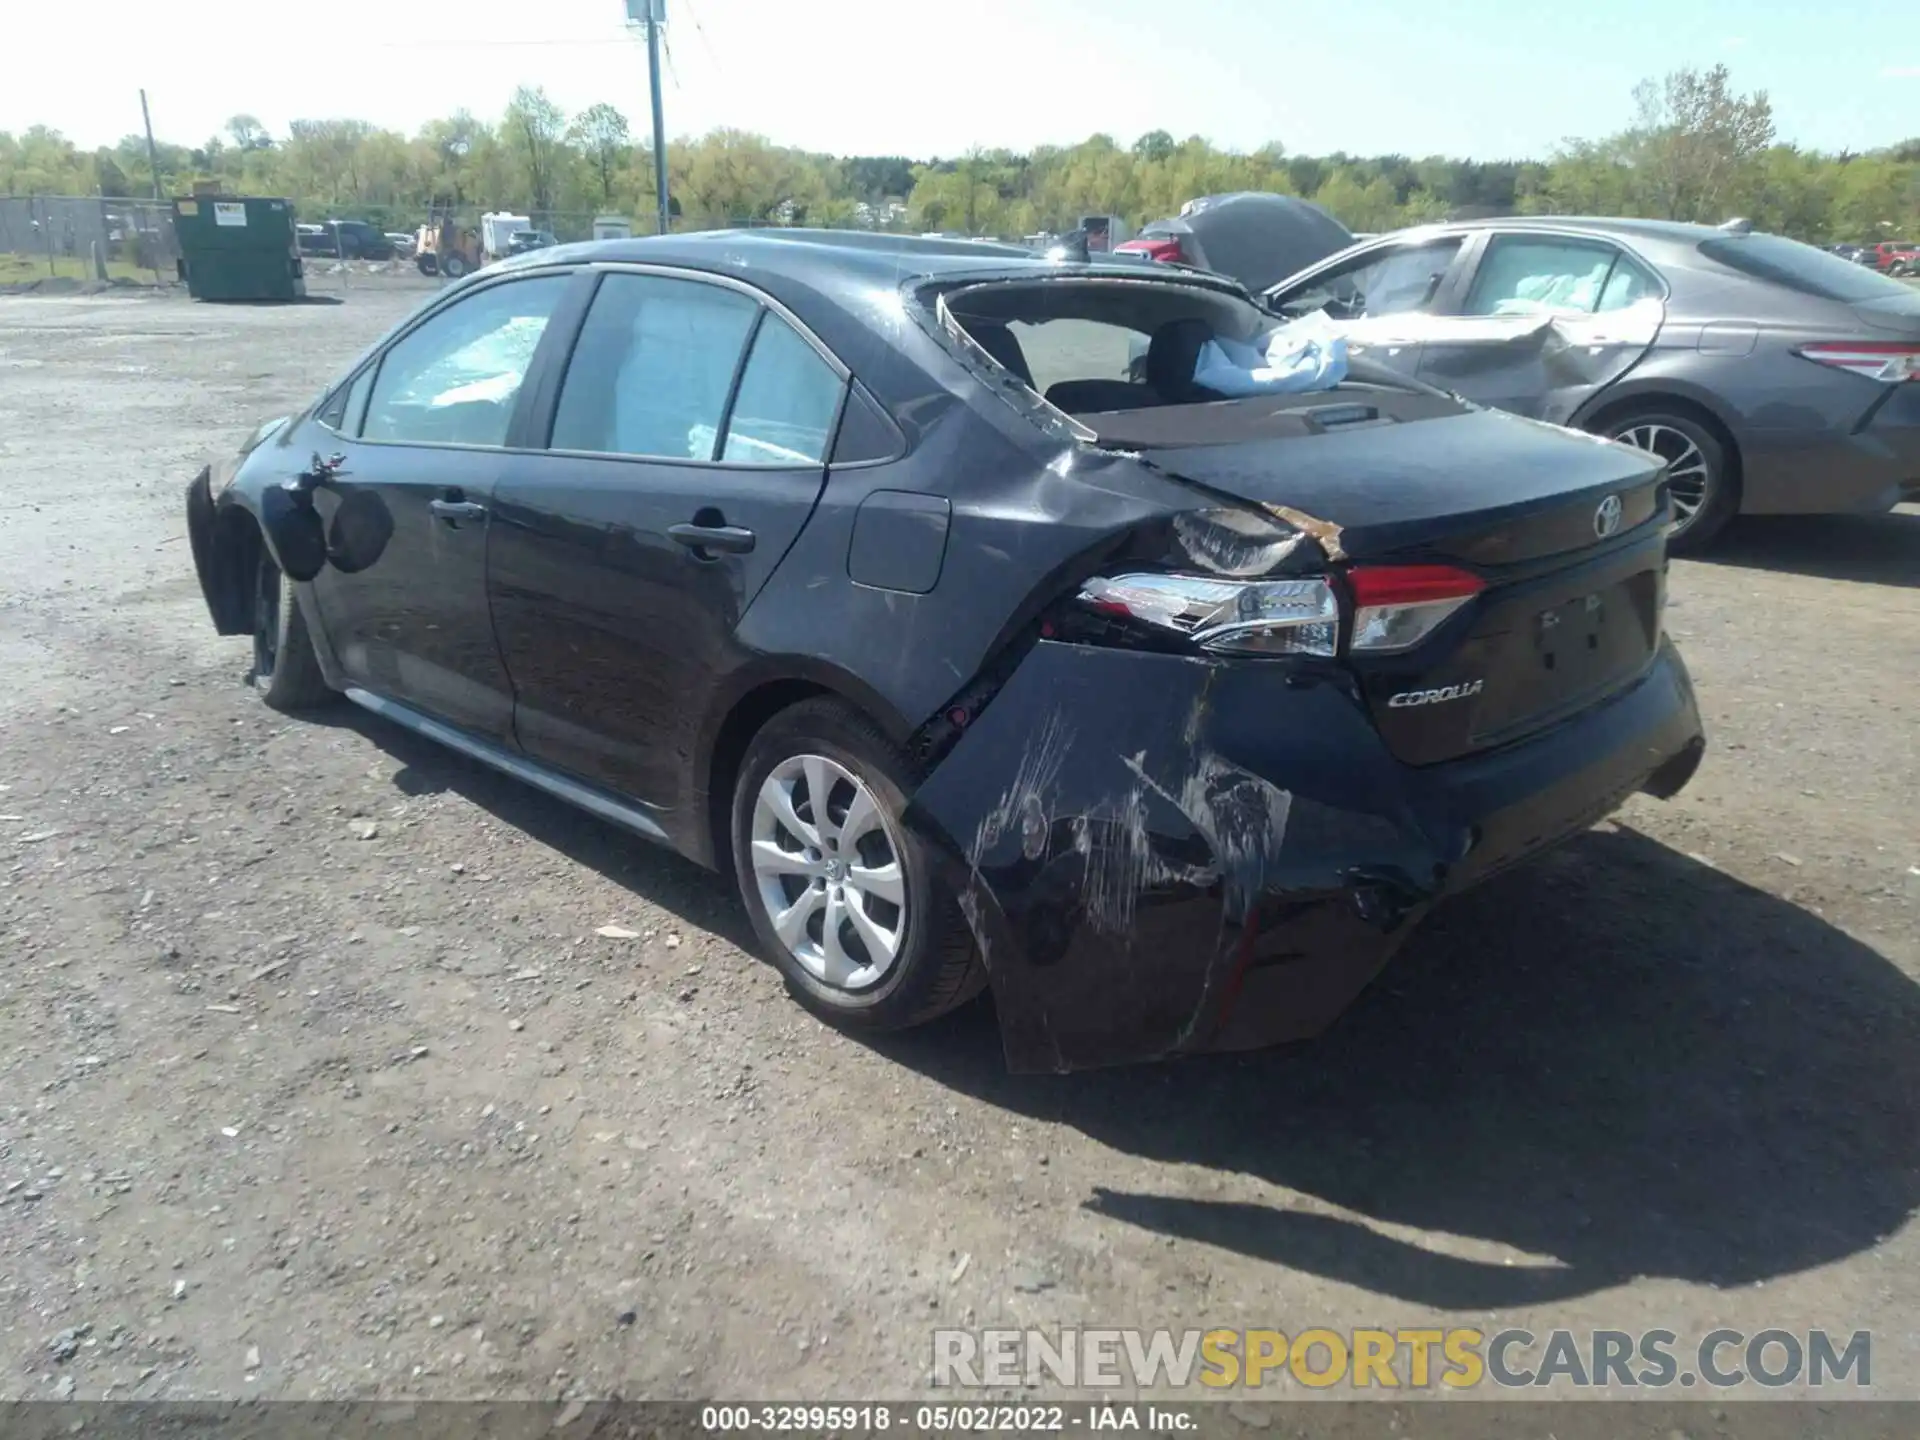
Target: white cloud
[1900,72]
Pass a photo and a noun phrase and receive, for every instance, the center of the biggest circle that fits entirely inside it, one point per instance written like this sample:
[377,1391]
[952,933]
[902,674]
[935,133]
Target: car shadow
[650,871]
[1615,1061]
[1878,549]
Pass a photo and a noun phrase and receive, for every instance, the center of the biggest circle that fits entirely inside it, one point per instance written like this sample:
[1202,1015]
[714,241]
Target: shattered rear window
[1083,342]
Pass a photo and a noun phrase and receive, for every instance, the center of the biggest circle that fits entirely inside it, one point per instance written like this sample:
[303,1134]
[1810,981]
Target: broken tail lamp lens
[1396,607]
[1227,617]
[1888,361]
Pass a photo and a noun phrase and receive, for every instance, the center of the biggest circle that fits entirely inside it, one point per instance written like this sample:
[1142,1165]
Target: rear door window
[652,369]
[1549,275]
[1394,281]
[1629,284]
[788,400]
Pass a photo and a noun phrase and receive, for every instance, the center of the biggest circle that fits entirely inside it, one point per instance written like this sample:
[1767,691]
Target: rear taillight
[1167,252]
[1228,617]
[1395,607]
[1889,361]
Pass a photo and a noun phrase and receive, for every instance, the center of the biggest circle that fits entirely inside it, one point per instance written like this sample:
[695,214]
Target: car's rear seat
[1171,357]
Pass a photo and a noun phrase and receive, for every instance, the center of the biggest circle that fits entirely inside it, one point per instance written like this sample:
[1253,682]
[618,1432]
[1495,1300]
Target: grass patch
[17,269]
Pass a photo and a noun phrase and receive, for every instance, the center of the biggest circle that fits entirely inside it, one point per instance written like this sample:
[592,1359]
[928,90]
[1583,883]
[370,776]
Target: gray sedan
[1772,377]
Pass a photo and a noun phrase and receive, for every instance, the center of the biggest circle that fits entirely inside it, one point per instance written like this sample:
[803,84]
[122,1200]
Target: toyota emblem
[1606,519]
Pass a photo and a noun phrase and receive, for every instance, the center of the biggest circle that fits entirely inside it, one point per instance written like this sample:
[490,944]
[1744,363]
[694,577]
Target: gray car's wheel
[843,898]
[286,671]
[1699,479]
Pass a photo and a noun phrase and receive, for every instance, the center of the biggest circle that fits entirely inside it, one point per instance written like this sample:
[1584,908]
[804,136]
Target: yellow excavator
[444,246]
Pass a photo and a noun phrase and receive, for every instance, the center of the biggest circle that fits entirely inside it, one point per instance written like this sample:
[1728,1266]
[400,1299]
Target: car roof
[1677,231]
[845,285]
[828,260]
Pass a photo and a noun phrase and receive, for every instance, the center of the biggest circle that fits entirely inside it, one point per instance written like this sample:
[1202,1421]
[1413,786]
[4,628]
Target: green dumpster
[238,248]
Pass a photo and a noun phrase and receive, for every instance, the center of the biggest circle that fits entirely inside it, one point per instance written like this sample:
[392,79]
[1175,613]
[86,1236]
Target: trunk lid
[1403,474]
[1565,531]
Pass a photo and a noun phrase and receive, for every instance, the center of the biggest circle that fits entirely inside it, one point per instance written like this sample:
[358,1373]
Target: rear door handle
[451,510]
[733,539]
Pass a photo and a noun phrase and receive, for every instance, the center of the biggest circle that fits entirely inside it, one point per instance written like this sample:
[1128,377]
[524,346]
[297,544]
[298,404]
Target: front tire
[844,899]
[286,670]
[429,264]
[1699,473]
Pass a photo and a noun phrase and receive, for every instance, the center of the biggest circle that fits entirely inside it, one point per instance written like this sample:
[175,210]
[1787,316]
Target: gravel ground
[317,1080]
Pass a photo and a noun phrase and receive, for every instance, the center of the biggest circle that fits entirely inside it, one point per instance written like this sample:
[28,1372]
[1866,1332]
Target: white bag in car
[1302,355]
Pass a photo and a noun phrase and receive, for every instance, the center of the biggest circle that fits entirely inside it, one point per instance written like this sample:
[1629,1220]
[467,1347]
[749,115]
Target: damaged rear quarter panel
[1124,828]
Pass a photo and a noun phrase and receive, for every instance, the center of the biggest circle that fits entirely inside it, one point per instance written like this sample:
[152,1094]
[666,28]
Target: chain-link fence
[86,239]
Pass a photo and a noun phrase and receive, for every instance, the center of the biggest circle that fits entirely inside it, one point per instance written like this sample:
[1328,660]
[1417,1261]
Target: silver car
[1771,376]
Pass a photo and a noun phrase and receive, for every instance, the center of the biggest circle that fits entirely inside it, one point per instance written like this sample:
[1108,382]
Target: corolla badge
[1606,519]
[1437,696]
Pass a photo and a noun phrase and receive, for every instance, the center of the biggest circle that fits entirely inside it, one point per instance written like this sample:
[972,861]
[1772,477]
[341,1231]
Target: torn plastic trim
[1325,531]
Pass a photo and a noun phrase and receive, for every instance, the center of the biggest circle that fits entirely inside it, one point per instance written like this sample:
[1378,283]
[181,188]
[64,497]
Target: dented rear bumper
[1162,855]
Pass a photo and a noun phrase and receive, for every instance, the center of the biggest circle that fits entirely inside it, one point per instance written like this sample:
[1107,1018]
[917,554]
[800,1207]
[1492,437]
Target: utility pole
[652,13]
[153,155]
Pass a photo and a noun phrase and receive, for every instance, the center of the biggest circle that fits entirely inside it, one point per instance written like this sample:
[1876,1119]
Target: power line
[442,44]
[701,31]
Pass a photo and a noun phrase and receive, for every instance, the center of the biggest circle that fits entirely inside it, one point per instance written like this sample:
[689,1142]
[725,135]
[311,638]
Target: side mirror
[293,528]
[362,525]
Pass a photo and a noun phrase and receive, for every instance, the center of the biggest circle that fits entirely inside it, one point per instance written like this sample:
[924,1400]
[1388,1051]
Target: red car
[1889,253]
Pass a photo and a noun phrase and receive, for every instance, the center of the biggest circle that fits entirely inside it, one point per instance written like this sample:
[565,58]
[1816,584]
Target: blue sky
[1482,78]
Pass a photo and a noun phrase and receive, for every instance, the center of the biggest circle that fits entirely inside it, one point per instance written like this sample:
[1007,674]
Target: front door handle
[456,510]
[701,539]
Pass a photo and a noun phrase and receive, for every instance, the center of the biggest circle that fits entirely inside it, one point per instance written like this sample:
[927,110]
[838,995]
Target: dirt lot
[316,1080]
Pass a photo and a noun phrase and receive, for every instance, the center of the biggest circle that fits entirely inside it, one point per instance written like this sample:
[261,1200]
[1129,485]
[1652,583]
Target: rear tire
[454,266]
[899,951]
[1700,476]
[286,670]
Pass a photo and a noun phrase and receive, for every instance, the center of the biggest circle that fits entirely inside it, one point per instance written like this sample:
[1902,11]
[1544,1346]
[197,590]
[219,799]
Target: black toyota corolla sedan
[861,569]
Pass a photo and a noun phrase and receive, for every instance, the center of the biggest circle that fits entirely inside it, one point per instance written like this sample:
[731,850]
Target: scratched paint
[1033,783]
[1242,817]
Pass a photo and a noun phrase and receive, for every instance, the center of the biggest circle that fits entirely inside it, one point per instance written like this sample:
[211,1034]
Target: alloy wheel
[826,863]
[1690,477]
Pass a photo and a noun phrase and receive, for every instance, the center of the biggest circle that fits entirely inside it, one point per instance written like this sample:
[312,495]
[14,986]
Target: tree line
[1698,149]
